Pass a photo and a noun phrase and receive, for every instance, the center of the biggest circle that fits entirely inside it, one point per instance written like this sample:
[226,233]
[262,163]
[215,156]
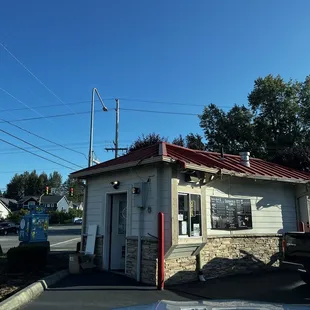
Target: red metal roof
[258,167]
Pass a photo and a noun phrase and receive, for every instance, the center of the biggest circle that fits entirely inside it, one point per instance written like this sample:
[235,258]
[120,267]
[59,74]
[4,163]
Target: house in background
[76,205]
[11,204]
[223,213]
[27,201]
[51,202]
[6,207]
[55,202]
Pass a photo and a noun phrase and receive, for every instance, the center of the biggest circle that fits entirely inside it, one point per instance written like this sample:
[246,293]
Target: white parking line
[67,241]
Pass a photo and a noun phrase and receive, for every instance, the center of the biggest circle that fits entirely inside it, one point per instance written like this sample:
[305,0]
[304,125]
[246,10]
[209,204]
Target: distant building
[51,202]
[6,207]
[56,202]
[76,205]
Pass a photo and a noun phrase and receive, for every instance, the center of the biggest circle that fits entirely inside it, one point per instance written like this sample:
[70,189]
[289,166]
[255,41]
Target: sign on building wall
[230,213]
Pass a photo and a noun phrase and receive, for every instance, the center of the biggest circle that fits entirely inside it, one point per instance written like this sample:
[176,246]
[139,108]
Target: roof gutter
[244,175]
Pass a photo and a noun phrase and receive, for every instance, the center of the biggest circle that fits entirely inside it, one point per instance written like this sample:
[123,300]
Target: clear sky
[151,53]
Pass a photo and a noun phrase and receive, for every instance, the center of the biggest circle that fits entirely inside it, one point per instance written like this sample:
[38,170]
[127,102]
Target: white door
[119,209]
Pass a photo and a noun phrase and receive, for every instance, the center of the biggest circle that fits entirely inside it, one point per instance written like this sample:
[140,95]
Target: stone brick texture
[240,254]
[98,250]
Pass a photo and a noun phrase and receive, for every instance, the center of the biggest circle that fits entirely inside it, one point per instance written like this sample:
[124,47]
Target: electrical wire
[56,156]
[38,136]
[22,171]
[99,110]
[24,104]
[37,155]
[110,99]
[35,77]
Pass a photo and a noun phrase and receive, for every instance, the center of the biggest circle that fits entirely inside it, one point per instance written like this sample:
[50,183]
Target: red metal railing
[161,251]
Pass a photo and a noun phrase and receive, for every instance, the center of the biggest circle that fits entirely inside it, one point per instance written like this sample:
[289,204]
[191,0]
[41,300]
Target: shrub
[27,258]
[16,216]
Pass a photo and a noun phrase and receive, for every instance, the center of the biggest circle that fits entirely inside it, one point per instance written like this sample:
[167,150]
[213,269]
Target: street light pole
[92,114]
[116,128]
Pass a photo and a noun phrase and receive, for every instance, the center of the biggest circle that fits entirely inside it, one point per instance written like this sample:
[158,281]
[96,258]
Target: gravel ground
[10,283]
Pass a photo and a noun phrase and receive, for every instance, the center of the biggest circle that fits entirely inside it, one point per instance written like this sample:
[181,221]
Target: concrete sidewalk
[107,291]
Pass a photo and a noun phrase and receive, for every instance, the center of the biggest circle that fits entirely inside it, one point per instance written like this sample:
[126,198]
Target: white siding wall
[3,211]
[62,205]
[99,187]
[272,203]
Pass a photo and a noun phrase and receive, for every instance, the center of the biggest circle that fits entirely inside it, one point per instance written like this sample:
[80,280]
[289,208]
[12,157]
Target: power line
[21,171]
[7,152]
[23,103]
[110,99]
[98,110]
[85,144]
[48,140]
[56,156]
[50,160]
[36,78]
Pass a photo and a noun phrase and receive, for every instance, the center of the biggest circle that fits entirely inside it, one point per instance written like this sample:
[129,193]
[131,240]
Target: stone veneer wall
[98,250]
[148,269]
[221,256]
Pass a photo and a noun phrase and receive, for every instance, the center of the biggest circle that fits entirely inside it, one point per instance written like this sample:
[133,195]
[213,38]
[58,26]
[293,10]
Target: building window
[189,215]
[122,208]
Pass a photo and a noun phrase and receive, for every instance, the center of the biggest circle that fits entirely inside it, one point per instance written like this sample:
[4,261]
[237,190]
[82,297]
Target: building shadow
[99,280]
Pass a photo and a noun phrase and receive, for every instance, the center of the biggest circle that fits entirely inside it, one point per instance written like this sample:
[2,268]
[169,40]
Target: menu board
[230,213]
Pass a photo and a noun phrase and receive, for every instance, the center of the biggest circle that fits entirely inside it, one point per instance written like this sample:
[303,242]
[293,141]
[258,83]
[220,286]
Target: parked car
[78,221]
[8,228]
[296,253]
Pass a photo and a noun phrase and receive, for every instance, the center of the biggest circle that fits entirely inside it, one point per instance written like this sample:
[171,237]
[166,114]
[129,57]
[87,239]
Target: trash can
[74,264]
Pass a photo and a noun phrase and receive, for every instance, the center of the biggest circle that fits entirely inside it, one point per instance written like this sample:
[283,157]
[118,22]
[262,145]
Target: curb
[32,291]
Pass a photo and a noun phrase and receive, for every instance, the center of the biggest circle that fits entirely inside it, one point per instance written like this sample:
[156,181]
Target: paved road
[61,238]
[108,291]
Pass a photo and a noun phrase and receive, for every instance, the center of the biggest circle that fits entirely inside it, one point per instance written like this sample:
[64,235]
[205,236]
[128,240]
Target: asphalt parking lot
[61,238]
[105,290]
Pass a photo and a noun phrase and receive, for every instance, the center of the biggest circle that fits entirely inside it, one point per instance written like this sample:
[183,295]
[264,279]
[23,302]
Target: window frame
[188,195]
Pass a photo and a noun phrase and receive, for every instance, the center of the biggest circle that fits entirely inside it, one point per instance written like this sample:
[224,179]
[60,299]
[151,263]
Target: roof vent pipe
[222,154]
[245,159]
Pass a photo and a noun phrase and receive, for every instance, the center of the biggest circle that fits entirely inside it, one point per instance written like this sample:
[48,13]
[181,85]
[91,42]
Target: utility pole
[116,127]
[92,114]
[116,148]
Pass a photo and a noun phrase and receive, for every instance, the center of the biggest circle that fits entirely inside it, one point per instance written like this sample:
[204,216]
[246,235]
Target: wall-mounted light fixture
[135,190]
[115,184]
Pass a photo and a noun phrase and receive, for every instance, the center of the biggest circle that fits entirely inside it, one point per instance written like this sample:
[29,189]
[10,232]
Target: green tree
[180,141]
[191,141]
[275,126]
[277,123]
[145,141]
[55,180]
[232,131]
[78,189]
[194,142]
[31,184]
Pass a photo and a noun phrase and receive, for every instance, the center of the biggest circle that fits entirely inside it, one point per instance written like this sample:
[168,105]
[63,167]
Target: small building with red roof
[223,214]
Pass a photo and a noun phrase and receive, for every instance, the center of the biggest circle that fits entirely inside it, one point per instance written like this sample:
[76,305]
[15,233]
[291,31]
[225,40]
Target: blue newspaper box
[34,228]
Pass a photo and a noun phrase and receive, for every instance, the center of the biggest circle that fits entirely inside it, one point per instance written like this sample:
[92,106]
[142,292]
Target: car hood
[214,305]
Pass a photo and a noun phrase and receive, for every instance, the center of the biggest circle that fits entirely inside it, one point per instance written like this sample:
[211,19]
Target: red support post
[301,227]
[161,251]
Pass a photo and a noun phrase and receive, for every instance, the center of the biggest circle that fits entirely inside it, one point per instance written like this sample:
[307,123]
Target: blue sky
[190,52]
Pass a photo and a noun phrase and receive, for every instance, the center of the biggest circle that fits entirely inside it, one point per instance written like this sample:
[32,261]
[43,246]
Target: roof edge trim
[244,175]
[136,163]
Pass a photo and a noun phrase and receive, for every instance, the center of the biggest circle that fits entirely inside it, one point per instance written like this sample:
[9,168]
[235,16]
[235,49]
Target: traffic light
[47,190]
[71,192]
